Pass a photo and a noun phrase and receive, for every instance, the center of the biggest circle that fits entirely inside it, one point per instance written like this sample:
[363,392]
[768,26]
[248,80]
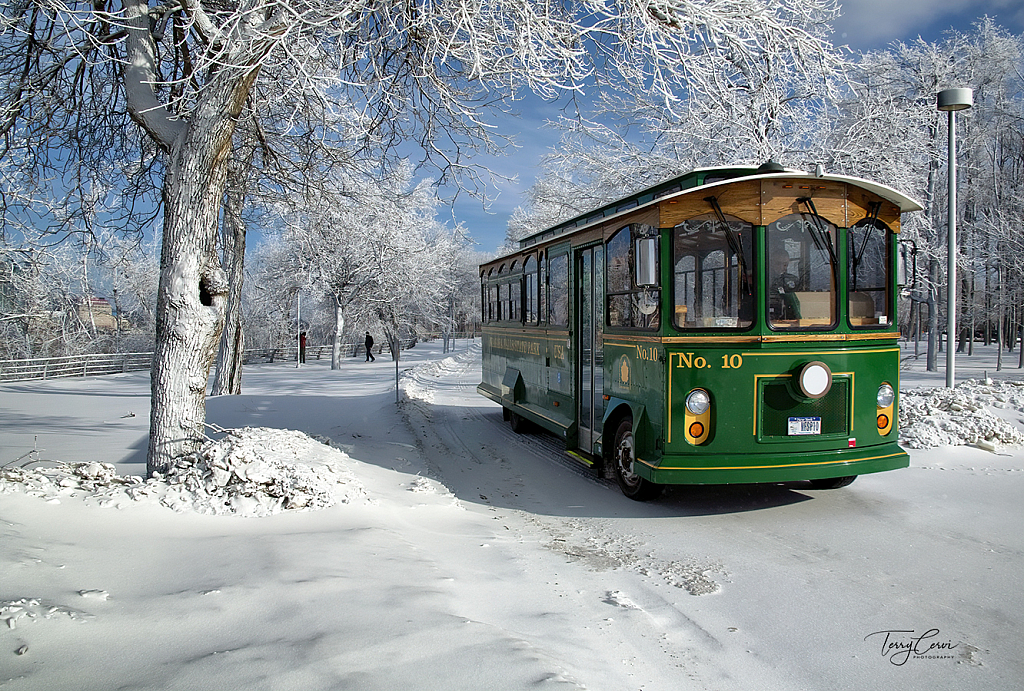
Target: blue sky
[864,25]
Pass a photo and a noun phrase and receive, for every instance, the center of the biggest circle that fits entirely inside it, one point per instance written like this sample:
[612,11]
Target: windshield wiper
[871,224]
[734,240]
[822,237]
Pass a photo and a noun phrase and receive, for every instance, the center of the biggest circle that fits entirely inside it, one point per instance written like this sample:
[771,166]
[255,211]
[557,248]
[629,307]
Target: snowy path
[484,559]
[805,576]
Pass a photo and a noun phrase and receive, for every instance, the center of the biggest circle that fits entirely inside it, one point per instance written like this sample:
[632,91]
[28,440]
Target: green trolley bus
[731,325]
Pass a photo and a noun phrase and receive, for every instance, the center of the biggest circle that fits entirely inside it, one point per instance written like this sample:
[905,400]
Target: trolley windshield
[713,276]
[801,272]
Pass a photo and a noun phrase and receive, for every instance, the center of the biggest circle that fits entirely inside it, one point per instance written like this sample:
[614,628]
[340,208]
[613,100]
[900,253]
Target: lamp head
[955,99]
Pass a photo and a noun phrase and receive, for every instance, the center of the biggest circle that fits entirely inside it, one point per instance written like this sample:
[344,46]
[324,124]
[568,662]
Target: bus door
[589,344]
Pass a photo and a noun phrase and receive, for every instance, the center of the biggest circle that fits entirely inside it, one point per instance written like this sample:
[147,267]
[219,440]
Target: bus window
[558,290]
[713,279]
[542,282]
[868,247]
[492,298]
[483,297]
[629,305]
[530,281]
[800,270]
[515,300]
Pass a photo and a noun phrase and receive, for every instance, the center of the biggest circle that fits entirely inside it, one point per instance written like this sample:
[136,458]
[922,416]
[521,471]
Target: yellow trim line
[622,340]
[767,467]
[579,458]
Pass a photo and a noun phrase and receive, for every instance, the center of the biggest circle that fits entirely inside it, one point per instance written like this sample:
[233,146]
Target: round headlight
[885,396]
[698,402]
[815,379]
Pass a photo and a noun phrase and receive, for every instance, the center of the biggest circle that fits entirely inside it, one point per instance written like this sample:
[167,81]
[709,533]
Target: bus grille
[778,405]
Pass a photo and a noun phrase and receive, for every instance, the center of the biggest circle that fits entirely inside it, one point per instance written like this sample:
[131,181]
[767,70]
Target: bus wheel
[833,482]
[632,485]
[520,425]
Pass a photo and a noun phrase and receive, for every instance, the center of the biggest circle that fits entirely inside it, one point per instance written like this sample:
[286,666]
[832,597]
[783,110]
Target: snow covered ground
[426,546]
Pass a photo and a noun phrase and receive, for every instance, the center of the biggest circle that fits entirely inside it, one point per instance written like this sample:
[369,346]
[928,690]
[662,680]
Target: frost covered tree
[372,254]
[47,306]
[873,116]
[889,130]
[457,303]
[736,104]
[992,275]
[185,72]
[329,244]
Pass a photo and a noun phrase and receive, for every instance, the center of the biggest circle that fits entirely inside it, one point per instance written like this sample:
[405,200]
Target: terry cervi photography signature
[899,645]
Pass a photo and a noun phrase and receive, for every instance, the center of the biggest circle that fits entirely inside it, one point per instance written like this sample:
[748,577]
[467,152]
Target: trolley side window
[713,279]
[515,296]
[869,244]
[628,304]
[484,306]
[492,297]
[558,290]
[542,283]
[530,298]
[502,307]
[800,265]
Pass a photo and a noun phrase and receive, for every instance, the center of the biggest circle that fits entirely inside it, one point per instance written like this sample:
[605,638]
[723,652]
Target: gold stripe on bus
[768,467]
[621,340]
[762,353]
[668,439]
[632,339]
[789,338]
[712,339]
[803,337]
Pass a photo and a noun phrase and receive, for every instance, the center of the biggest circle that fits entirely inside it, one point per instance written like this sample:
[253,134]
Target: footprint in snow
[619,599]
[94,594]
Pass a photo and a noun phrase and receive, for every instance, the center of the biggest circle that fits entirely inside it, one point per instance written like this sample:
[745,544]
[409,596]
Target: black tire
[833,482]
[631,484]
[520,425]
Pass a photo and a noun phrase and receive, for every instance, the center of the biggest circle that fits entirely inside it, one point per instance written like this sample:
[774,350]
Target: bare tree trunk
[192,297]
[933,320]
[1016,331]
[228,379]
[916,332]
[999,341]
[339,329]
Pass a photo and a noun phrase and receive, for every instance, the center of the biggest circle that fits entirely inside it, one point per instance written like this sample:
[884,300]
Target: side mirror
[646,261]
[906,264]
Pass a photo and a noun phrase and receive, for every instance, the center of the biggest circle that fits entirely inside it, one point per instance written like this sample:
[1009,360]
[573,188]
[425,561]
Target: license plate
[804,425]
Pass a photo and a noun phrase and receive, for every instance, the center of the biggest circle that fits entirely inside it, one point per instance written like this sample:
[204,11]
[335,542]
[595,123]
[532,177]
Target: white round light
[698,402]
[885,396]
[815,379]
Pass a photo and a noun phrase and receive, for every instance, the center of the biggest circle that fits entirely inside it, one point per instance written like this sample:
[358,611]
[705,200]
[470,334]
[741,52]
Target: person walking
[369,348]
[302,347]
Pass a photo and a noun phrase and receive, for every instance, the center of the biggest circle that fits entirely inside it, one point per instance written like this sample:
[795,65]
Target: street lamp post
[298,327]
[952,100]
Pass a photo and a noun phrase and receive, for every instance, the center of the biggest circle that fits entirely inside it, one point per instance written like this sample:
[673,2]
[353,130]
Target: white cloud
[874,23]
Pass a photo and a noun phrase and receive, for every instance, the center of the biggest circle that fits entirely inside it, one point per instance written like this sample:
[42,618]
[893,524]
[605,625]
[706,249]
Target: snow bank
[254,471]
[963,415]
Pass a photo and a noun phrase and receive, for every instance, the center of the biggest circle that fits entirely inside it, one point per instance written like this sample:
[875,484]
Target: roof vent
[770,167]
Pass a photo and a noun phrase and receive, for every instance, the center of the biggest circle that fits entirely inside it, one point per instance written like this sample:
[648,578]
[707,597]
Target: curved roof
[670,188]
[905,203]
